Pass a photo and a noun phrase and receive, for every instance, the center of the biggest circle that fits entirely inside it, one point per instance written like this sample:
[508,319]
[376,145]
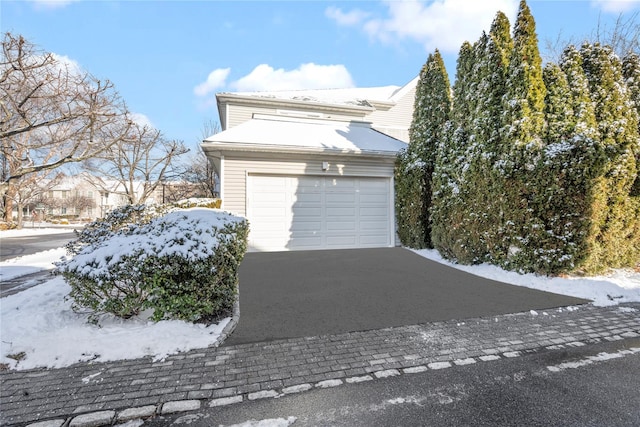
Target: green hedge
[180,265]
[538,171]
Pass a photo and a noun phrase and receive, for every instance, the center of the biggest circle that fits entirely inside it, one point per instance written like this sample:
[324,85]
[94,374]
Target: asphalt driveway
[309,293]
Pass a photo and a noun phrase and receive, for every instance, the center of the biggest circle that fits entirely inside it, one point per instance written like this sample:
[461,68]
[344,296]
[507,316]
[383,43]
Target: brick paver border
[228,375]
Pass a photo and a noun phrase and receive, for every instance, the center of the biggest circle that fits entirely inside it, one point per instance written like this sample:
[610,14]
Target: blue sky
[169,58]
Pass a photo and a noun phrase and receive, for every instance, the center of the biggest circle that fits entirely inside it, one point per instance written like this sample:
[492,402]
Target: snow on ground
[40,323]
[271,422]
[620,286]
[27,264]
[49,229]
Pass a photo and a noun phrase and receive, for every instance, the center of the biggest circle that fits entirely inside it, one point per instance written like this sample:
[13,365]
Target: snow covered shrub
[125,217]
[182,265]
[119,219]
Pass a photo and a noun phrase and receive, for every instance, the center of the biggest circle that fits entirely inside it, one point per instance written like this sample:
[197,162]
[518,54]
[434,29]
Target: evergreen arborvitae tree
[409,178]
[524,101]
[631,74]
[431,112]
[522,131]
[564,197]
[450,165]
[483,239]
[615,217]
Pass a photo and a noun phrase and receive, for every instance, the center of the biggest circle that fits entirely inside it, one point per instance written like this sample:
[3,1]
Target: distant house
[312,169]
[86,197]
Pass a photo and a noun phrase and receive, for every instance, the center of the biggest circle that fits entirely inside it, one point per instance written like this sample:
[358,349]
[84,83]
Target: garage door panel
[374,240]
[341,198]
[372,225]
[311,198]
[310,226]
[373,211]
[306,212]
[302,212]
[337,211]
[341,226]
[340,185]
[375,199]
[341,241]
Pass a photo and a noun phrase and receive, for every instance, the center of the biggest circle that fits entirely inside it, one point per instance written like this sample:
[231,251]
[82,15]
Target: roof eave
[239,147]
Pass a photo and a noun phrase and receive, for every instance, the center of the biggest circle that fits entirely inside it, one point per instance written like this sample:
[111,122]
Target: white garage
[308,184]
[319,212]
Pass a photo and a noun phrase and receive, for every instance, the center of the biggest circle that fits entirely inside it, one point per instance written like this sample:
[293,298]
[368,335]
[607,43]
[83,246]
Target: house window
[90,194]
[89,211]
[63,211]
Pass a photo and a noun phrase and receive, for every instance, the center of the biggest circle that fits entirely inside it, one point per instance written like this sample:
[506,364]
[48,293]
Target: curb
[231,326]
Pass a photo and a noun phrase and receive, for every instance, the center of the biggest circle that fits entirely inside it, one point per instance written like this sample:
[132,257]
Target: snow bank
[26,232]
[20,266]
[620,286]
[40,323]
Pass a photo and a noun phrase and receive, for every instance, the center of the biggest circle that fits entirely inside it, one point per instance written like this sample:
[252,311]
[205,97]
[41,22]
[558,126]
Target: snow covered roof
[346,96]
[284,134]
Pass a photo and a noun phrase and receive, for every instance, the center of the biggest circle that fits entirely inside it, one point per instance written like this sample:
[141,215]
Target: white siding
[396,121]
[238,114]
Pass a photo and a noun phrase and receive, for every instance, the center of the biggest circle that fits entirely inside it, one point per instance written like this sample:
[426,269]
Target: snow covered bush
[181,265]
[124,217]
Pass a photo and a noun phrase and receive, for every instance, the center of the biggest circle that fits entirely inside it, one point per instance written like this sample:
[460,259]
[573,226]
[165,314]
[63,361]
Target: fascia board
[223,148]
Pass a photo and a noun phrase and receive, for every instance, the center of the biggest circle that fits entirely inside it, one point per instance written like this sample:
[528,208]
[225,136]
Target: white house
[312,169]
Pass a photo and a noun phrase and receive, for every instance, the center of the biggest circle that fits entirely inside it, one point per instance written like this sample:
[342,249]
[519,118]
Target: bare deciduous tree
[51,113]
[623,37]
[138,163]
[199,169]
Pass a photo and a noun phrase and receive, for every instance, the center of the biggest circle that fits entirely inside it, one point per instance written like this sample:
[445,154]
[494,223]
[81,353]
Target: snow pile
[16,267]
[617,287]
[40,329]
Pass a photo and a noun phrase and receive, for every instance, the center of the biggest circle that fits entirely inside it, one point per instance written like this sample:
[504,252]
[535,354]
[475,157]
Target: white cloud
[142,120]
[215,80]
[266,78]
[351,18]
[441,24]
[616,6]
[51,4]
[306,76]
[71,65]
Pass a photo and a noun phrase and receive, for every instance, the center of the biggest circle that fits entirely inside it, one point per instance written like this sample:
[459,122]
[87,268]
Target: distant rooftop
[345,96]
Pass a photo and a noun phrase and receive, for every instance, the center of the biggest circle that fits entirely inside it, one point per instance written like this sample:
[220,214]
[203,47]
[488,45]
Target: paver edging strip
[407,367]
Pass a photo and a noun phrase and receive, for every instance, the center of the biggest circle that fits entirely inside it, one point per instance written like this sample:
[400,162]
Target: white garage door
[307,212]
